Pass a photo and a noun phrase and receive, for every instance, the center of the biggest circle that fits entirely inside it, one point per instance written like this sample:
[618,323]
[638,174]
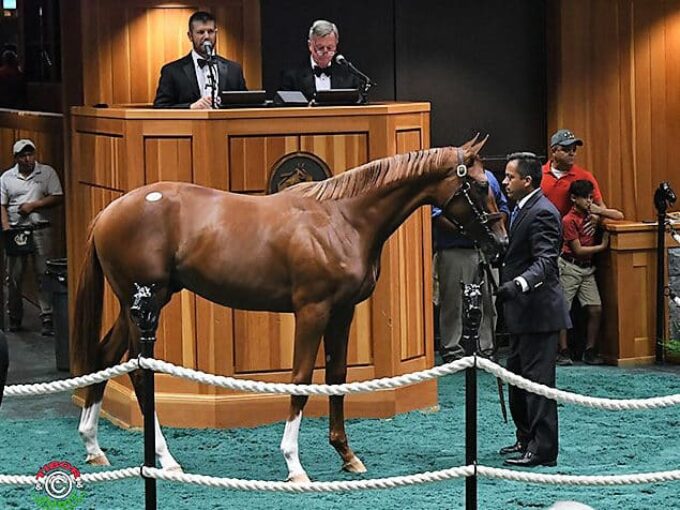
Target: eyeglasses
[568,148]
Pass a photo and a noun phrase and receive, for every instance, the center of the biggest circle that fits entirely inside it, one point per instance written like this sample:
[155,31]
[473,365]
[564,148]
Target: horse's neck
[381,211]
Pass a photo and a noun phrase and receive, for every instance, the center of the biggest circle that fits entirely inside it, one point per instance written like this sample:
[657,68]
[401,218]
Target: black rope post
[145,313]
[472,318]
[663,197]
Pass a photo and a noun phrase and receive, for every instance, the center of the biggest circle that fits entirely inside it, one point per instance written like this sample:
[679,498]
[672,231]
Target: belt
[573,260]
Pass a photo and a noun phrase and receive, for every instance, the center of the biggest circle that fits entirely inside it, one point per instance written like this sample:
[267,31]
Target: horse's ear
[472,151]
[478,147]
[470,142]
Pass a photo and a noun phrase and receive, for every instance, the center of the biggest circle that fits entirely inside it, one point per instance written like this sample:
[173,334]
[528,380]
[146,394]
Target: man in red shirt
[560,171]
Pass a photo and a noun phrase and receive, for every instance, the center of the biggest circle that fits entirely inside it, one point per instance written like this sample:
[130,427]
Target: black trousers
[4,363]
[532,355]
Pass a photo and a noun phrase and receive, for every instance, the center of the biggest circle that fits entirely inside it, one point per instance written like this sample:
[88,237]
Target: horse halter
[478,215]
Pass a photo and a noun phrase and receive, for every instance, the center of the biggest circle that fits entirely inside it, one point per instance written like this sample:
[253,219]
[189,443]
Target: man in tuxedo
[320,73]
[195,81]
[535,309]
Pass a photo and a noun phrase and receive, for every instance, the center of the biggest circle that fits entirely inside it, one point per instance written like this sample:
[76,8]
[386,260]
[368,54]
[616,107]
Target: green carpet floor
[593,442]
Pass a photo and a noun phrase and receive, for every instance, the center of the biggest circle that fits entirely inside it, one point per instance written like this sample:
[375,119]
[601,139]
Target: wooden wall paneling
[251,56]
[252,157]
[671,97]
[612,88]
[658,84]
[126,43]
[601,153]
[643,165]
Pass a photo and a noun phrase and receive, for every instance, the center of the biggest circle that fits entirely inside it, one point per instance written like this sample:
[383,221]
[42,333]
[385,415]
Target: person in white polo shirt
[27,190]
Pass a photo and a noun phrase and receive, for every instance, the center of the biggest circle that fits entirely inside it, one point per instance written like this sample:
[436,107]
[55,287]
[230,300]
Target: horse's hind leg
[111,350]
[310,323]
[335,345]
[166,460]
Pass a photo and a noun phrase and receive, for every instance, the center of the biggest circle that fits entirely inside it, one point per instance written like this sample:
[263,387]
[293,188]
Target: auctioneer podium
[117,149]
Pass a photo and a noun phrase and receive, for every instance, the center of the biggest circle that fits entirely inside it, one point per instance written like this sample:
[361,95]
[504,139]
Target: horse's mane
[379,173]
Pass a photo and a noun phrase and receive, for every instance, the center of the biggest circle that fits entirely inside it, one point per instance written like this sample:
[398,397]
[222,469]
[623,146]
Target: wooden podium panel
[118,149]
[627,278]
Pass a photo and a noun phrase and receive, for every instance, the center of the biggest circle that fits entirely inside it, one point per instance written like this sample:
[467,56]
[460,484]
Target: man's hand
[509,290]
[205,103]
[27,208]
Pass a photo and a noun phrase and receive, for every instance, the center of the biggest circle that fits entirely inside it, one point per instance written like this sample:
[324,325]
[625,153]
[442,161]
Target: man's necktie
[318,71]
[202,62]
[513,215]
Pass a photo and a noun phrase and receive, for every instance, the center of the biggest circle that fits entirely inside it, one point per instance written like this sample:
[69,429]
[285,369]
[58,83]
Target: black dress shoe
[515,448]
[530,459]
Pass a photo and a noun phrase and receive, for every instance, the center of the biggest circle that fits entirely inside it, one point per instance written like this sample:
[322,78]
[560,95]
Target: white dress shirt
[203,77]
[522,281]
[322,82]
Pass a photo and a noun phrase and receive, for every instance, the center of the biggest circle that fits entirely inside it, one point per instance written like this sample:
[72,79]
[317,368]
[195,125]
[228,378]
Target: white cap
[20,145]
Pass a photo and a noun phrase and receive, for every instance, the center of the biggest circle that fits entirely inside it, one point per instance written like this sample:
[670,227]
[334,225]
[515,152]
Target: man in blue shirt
[458,261]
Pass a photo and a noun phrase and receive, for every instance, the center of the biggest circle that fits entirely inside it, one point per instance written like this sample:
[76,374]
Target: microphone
[341,60]
[208,48]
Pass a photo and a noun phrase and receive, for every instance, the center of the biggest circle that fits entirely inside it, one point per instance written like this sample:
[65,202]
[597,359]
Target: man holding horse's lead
[26,191]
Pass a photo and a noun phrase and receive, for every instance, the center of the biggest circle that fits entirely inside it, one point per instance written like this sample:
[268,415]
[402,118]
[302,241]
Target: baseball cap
[565,138]
[23,144]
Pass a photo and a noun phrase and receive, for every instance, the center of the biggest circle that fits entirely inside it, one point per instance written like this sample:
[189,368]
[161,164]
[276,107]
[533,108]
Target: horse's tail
[87,318]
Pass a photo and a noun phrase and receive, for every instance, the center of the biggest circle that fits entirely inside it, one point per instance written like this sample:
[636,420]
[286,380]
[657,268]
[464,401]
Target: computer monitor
[243,98]
[337,97]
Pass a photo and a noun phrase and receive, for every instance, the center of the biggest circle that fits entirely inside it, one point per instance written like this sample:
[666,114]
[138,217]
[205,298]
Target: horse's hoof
[299,478]
[98,460]
[354,465]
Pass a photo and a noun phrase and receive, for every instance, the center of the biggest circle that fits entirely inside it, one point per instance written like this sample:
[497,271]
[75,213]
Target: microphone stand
[211,77]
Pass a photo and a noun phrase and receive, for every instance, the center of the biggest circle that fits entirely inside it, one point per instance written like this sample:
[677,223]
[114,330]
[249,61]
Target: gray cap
[22,145]
[565,138]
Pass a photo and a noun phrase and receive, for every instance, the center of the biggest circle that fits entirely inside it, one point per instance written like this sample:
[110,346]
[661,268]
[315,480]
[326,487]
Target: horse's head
[466,199]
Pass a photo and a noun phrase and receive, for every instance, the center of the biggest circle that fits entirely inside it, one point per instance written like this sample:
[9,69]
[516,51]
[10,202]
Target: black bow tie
[318,71]
[202,62]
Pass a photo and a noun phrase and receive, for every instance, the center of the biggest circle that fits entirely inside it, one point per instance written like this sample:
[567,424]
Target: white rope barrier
[24,390]
[343,389]
[609,404]
[384,383]
[543,478]
[370,484]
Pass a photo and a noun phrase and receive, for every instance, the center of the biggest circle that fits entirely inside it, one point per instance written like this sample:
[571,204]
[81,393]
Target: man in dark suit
[189,81]
[535,309]
[320,73]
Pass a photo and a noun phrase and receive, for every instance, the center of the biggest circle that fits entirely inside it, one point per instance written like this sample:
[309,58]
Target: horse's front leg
[335,345]
[310,322]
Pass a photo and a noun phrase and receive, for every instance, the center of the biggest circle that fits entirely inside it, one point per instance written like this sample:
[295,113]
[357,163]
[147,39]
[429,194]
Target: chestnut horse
[312,249]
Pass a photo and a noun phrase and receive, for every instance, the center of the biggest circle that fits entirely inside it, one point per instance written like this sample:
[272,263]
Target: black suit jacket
[302,79]
[535,243]
[178,86]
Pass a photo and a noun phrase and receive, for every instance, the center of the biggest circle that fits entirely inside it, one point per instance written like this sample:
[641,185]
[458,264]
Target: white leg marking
[163,455]
[289,448]
[89,423]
